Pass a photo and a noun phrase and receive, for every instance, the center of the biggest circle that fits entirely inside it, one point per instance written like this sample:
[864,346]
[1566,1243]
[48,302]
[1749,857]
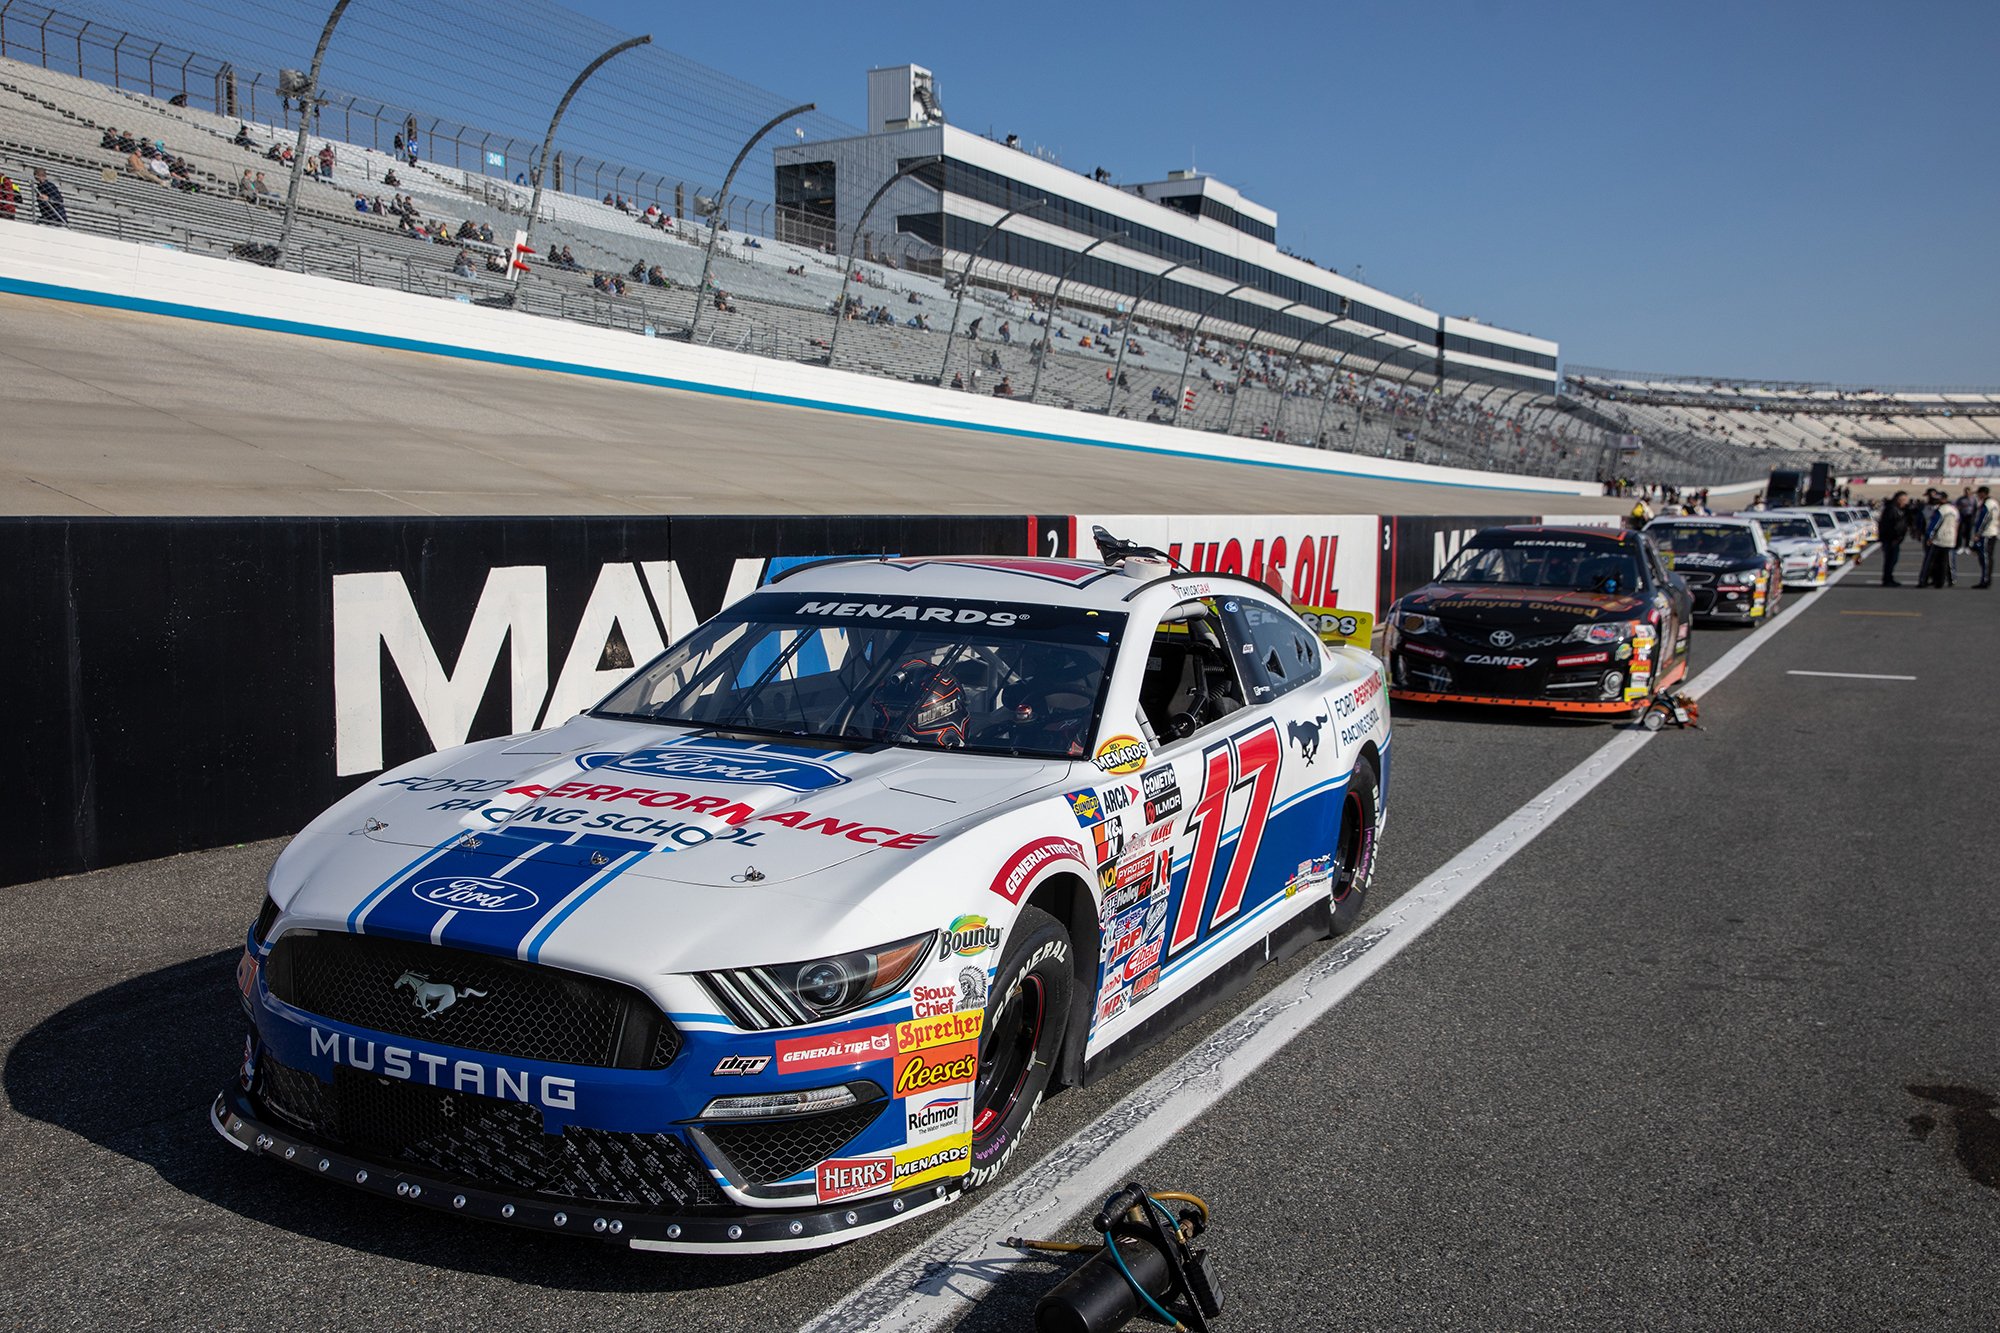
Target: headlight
[1609,632]
[1415,622]
[794,994]
[1743,576]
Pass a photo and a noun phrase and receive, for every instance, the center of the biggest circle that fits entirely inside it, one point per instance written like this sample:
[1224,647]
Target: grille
[1696,577]
[767,1152]
[486,1142]
[522,1009]
[1484,639]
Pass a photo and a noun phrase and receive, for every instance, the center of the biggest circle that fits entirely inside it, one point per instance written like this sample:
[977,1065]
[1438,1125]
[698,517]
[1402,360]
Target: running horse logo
[434,997]
[1305,735]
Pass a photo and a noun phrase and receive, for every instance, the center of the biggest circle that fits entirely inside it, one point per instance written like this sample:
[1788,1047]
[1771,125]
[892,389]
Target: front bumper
[1594,707]
[726,1229]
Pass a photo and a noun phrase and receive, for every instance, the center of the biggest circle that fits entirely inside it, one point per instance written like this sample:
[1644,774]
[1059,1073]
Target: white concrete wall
[72,266]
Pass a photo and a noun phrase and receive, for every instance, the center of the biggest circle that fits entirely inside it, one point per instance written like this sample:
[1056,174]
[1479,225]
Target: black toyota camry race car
[1574,620]
[1728,564]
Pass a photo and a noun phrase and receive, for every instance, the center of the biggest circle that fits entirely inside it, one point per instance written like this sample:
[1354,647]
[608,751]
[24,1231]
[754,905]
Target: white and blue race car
[786,940]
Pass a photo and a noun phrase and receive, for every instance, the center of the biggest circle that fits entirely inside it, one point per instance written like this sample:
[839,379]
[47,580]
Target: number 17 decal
[1249,760]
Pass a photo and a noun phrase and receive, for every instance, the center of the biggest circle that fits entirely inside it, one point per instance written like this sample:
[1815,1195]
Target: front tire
[1354,847]
[1026,1018]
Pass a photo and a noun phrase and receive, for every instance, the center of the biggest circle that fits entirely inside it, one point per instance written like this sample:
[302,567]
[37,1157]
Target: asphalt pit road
[1921,1126]
[1975,1127]
[133,1068]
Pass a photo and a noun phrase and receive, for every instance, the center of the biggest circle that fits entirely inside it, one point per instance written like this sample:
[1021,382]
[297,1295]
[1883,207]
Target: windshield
[1790,527]
[930,672]
[1530,560]
[1825,521]
[1702,539]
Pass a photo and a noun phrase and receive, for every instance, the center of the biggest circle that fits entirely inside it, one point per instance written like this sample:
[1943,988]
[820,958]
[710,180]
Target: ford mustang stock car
[1584,621]
[786,940]
[1729,566]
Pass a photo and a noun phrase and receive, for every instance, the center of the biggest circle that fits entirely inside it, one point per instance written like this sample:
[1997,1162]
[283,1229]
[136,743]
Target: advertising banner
[1971,462]
[1312,560]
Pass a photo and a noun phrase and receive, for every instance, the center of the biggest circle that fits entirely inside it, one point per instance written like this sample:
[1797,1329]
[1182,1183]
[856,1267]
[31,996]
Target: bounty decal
[968,936]
[1028,861]
[1121,754]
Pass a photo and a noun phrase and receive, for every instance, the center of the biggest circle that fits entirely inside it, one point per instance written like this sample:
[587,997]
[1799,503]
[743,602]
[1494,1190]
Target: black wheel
[1354,849]
[1026,1017]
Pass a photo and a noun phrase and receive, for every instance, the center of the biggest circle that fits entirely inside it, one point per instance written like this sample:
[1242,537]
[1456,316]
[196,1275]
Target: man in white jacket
[1939,542]
[1985,532]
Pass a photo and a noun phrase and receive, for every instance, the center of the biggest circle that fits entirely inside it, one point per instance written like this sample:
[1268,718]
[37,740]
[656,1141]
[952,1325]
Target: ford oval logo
[475,893]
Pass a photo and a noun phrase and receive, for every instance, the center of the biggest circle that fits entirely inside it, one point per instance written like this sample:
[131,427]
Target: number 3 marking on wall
[1250,760]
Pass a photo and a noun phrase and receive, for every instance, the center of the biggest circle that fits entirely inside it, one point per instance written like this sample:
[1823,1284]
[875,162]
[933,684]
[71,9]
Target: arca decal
[1029,860]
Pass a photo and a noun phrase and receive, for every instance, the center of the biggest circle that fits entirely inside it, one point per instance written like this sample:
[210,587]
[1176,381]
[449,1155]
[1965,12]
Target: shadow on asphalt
[133,1069]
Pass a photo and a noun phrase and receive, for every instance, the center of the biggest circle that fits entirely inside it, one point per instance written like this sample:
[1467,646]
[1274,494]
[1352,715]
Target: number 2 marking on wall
[1250,760]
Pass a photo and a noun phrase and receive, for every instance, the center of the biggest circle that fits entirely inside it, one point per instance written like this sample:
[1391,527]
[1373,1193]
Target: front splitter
[717,1231]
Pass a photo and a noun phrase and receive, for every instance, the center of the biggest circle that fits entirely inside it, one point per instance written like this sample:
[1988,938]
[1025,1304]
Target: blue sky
[1794,190]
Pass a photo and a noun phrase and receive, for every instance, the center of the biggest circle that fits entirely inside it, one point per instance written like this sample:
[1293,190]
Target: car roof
[1040,580]
[1618,536]
[1725,520]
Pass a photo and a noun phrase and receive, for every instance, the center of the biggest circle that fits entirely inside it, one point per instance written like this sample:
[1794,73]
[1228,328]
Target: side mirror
[1679,584]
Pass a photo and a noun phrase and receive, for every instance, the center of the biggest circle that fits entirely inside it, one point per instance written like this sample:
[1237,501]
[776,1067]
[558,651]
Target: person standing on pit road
[1985,533]
[1641,515]
[1895,526]
[1939,544]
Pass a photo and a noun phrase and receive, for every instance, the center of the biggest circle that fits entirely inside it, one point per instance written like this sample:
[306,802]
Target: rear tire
[1354,844]
[1027,1016]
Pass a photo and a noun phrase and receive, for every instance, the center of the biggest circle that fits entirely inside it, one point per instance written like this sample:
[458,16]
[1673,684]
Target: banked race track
[1686,1030]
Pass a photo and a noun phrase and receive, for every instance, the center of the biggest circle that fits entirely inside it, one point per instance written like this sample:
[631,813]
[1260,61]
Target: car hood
[1489,605]
[1704,562]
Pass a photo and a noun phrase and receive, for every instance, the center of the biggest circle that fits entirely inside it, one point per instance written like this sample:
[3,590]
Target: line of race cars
[1596,622]
[787,938]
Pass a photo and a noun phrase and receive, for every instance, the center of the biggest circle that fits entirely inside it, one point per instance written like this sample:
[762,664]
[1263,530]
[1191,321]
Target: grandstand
[1858,429]
[1368,375]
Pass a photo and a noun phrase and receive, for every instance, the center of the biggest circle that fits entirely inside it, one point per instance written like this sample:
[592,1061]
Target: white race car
[786,940]
[1796,541]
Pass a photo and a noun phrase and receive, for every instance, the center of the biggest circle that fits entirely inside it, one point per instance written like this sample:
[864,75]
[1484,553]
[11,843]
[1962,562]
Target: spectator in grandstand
[243,139]
[1940,541]
[263,188]
[1006,333]
[1985,533]
[957,380]
[49,206]
[10,197]
[109,139]
[1005,388]
[463,267]
[1893,526]
[135,166]
[655,278]
[390,179]
[326,161]
[246,188]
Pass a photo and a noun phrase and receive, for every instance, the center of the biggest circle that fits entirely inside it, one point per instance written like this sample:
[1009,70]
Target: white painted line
[937,1280]
[1848,675]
